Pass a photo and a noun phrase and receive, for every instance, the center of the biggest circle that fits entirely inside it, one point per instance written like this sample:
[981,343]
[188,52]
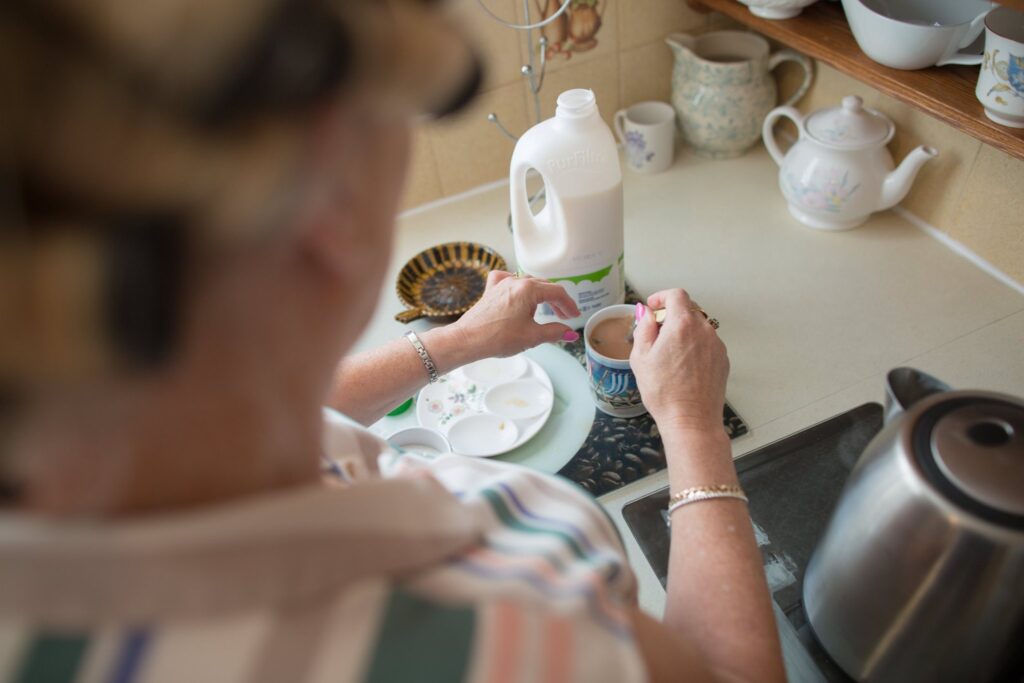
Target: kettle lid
[850,126]
[978,446]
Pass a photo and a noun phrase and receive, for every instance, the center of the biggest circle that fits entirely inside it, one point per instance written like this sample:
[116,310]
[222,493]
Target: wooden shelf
[947,92]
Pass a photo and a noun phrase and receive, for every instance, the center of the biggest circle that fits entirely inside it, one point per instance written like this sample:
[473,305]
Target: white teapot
[839,171]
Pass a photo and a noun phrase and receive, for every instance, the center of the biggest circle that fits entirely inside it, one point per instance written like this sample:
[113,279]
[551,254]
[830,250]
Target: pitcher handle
[794,56]
[768,133]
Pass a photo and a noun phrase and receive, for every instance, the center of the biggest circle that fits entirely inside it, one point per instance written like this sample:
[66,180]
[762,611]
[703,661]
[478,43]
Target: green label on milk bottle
[592,291]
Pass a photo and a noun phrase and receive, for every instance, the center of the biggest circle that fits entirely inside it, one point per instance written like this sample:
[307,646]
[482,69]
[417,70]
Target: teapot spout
[898,182]
[682,44]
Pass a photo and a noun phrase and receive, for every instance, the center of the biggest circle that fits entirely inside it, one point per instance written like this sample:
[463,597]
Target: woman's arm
[366,386]
[718,605]
[717,594]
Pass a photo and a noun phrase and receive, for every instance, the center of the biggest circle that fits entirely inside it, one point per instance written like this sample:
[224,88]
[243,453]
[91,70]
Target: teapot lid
[971,445]
[850,126]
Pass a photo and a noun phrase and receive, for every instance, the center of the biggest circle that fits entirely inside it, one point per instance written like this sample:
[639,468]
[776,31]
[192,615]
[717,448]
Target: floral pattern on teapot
[827,190]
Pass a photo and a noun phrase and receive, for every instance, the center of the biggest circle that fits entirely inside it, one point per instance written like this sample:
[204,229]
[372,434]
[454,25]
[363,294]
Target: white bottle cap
[575,103]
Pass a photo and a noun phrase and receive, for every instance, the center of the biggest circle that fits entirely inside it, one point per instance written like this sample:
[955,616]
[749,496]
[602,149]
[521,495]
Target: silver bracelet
[428,362]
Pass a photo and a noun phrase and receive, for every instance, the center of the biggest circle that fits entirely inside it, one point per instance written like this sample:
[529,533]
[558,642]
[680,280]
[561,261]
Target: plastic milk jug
[576,239]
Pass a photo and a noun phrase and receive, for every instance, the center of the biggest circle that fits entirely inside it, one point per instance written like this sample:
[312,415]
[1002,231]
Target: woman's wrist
[689,419]
[449,348]
[698,457]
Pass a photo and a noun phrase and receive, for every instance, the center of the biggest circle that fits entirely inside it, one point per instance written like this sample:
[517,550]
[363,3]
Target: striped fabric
[522,578]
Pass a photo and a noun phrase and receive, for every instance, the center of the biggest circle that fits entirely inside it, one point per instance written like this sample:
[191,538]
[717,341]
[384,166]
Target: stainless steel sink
[793,485]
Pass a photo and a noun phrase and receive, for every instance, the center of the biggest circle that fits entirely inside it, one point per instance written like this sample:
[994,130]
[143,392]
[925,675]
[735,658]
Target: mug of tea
[608,344]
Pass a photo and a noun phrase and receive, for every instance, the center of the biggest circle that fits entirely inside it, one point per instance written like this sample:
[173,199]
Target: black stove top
[793,485]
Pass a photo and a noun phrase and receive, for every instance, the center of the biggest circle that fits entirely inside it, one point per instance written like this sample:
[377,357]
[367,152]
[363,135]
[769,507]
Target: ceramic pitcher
[722,88]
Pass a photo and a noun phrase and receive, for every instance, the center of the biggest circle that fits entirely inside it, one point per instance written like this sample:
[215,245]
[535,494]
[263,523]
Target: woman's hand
[680,367]
[502,324]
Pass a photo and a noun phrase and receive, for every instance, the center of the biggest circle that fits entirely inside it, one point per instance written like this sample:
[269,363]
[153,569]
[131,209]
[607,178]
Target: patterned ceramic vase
[722,89]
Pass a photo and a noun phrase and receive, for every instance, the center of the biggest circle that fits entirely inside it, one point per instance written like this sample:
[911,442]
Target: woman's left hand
[502,324]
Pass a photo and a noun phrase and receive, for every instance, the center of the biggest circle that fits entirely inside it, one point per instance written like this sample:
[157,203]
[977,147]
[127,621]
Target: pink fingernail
[570,336]
[641,311]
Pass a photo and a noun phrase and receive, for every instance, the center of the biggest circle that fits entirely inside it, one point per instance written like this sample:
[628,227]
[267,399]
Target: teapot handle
[805,63]
[768,133]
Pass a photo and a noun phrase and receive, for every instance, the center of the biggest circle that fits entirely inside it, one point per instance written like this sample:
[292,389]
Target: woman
[171,524]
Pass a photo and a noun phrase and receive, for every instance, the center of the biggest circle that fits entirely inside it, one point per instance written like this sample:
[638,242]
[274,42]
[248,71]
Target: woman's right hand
[680,367]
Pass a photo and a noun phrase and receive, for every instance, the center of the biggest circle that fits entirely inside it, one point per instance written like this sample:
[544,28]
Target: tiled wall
[630,63]
[971,191]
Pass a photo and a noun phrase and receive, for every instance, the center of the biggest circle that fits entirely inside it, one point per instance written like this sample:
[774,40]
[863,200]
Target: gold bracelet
[699,493]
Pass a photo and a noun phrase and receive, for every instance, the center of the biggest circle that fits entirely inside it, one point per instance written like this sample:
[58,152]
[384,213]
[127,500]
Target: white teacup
[647,132]
[1001,79]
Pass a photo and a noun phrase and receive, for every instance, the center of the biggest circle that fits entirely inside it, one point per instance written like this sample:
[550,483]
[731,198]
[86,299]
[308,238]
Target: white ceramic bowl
[422,440]
[916,34]
[776,9]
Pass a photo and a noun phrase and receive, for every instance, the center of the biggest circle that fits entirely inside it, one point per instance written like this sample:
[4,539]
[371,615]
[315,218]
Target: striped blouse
[455,569]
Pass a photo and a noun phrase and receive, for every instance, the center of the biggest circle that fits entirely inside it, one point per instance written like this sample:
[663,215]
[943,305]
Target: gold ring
[700,310]
[713,322]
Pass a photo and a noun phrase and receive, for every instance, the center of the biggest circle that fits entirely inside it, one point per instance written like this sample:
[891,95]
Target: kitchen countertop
[813,320]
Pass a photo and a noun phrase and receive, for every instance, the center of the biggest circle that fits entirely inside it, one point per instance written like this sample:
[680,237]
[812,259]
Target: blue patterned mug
[1001,79]
[612,382]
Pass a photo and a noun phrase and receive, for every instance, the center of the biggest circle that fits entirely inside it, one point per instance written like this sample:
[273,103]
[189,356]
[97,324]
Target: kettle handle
[769,135]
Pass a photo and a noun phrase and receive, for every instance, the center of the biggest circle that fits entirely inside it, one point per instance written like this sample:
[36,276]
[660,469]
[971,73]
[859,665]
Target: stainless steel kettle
[920,573]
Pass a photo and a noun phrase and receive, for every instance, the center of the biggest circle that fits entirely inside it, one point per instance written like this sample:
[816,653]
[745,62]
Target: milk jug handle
[805,63]
[768,133]
[523,224]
